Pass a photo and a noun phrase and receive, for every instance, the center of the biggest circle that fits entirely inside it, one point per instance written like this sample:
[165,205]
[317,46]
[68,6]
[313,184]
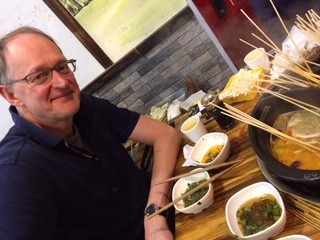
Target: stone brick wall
[160,73]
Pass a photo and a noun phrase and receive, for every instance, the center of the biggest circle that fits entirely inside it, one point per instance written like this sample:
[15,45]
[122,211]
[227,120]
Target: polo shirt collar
[29,130]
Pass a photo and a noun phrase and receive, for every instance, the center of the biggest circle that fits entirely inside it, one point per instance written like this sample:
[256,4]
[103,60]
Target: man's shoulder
[17,148]
[10,147]
[91,100]
[94,106]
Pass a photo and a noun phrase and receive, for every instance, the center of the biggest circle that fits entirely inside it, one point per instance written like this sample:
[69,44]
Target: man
[64,173]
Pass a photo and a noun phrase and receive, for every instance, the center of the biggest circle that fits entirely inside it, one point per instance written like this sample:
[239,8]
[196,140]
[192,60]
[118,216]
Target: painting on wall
[113,29]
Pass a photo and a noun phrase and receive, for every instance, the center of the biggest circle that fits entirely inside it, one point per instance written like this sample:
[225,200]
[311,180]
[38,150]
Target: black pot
[267,110]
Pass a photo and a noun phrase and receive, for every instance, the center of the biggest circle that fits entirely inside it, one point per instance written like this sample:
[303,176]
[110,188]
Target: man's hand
[156,228]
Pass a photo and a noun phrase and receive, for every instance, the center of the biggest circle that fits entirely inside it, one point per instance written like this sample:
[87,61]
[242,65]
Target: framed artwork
[114,30]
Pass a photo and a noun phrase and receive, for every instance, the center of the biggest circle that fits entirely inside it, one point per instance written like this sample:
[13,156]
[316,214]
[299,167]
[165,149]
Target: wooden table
[211,222]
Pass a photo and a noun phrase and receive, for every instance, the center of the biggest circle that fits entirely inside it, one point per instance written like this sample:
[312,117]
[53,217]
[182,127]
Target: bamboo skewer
[262,32]
[294,67]
[305,214]
[297,68]
[313,63]
[217,166]
[303,205]
[304,218]
[311,26]
[243,117]
[291,80]
[256,123]
[253,46]
[306,106]
[289,35]
[286,82]
[201,185]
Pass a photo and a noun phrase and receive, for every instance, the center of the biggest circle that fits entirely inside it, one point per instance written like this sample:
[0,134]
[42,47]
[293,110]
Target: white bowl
[180,187]
[205,143]
[294,237]
[243,196]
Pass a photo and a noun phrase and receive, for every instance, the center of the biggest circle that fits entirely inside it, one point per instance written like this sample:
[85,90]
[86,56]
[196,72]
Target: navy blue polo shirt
[49,191]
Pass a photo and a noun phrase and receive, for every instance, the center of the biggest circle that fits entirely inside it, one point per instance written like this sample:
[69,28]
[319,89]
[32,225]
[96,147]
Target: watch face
[150,209]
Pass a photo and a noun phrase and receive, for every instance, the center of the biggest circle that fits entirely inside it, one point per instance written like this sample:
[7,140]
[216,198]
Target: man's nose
[58,79]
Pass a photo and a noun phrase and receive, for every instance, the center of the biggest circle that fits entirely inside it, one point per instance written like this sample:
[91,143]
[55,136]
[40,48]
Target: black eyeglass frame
[56,68]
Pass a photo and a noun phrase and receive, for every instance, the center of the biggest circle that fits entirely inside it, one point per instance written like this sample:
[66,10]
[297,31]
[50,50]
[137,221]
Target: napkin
[196,97]
[186,153]
[298,42]
[298,39]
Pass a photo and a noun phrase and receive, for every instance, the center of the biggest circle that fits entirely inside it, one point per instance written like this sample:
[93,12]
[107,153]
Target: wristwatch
[151,209]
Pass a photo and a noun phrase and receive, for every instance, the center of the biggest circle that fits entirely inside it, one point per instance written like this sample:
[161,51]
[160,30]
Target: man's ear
[7,94]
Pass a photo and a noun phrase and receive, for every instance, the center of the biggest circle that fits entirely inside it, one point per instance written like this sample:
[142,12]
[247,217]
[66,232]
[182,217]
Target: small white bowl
[205,143]
[243,196]
[180,187]
[294,237]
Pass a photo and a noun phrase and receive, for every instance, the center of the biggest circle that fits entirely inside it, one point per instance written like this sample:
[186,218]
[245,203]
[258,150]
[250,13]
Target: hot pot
[267,110]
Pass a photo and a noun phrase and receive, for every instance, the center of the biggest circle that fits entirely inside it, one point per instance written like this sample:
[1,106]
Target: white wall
[36,13]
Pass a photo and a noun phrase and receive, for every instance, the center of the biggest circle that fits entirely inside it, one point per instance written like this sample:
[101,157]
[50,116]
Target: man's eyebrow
[42,67]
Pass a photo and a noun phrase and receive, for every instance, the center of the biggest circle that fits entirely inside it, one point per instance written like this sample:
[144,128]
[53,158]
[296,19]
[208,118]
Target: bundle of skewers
[301,74]
[298,74]
[304,77]
[302,66]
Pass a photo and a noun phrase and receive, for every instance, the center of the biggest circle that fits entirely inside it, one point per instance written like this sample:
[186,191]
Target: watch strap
[152,208]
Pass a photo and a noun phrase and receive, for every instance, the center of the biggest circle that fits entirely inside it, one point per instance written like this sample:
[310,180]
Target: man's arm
[166,144]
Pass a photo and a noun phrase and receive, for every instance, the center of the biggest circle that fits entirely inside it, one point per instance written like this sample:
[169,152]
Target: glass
[45,75]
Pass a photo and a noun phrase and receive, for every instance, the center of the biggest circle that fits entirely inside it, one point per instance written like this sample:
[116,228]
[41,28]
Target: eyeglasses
[45,75]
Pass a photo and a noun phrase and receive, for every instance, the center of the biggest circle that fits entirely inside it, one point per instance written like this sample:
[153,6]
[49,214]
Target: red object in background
[228,29]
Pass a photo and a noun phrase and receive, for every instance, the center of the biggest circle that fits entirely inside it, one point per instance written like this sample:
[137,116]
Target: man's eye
[39,77]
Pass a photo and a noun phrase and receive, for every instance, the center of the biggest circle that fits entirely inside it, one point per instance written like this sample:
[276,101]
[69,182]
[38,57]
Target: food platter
[285,187]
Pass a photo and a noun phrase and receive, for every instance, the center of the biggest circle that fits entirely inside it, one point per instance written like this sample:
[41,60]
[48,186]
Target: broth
[304,126]
[190,124]
[258,214]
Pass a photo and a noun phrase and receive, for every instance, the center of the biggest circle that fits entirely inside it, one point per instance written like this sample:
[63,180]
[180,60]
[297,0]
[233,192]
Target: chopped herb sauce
[258,214]
[196,196]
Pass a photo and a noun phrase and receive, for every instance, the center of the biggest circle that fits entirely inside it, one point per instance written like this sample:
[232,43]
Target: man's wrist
[165,195]
[152,208]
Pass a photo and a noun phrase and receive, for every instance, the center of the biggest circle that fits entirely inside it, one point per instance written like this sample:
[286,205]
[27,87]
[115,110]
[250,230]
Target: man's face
[50,103]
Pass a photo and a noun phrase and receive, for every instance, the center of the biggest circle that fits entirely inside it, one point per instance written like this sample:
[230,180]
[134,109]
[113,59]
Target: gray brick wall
[160,73]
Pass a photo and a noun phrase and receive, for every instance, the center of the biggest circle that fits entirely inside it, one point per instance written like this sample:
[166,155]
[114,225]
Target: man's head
[4,40]
[36,77]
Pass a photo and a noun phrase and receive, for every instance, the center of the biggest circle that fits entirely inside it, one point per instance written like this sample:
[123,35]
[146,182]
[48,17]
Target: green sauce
[258,214]
[196,196]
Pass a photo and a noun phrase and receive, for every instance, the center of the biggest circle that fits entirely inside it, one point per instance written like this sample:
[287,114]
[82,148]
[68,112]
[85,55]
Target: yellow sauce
[212,153]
